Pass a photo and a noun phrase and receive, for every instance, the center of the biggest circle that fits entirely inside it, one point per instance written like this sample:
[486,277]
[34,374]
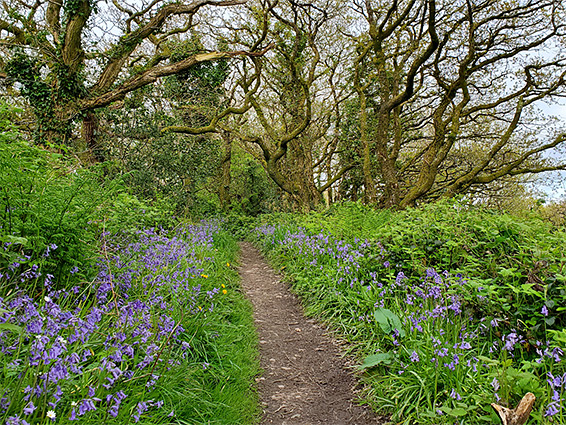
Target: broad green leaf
[381,318]
[10,327]
[458,411]
[375,359]
[388,321]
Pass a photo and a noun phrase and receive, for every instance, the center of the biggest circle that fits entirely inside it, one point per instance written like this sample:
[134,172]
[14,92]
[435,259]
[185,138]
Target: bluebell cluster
[71,353]
[437,327]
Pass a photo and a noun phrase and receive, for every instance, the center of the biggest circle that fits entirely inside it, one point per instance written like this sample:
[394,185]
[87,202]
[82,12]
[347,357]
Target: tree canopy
[392,102]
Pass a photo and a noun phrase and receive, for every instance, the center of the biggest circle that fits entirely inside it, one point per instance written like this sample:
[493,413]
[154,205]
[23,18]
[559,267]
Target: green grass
[218,386]
[226,393]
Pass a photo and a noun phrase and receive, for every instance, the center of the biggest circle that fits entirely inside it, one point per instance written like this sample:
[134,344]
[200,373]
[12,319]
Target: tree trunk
[329,191]
[53,126]
[369,185]
[305,193]
[391,195]
[225,177]
[519,415]
[89,130]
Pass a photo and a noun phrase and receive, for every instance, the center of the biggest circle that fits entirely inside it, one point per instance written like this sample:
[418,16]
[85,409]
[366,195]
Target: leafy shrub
[252,191]
[46,211]
[52,211]
[127,214]
[518,262]
[238,225]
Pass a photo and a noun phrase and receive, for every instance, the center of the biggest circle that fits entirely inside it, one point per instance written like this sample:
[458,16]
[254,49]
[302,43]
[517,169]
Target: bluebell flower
[552,409]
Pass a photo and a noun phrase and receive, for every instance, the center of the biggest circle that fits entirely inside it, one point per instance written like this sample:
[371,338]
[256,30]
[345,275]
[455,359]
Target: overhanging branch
[151,75]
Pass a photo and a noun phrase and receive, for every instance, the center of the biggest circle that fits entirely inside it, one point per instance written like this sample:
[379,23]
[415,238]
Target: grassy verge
[444,306]
[228,361]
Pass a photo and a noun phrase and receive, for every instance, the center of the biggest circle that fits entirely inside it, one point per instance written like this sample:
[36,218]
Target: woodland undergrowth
[111,310]
[448,307]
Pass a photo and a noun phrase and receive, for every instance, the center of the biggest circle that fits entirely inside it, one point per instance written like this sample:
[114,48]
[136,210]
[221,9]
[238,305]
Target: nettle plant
[431,356]
[101,351]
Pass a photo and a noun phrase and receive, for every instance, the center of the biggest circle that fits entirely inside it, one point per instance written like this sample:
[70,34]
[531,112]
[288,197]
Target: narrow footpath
[305,380]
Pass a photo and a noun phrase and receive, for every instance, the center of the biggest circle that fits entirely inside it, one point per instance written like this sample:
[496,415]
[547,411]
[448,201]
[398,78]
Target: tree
[399,41]
[435,79]
[290,116]
[70,59]
[182,167]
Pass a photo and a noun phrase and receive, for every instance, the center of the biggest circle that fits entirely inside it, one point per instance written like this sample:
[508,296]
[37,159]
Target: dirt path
[305,381]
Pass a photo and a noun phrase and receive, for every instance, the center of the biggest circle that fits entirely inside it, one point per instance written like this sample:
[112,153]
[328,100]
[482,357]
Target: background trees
[294,95]
[444,88]
[395,103]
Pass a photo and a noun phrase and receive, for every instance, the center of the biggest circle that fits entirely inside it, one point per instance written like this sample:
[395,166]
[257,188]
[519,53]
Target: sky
[553,185]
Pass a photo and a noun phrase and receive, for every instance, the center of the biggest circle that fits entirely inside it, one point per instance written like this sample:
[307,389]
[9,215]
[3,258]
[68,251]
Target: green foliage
[179,167]
[517,262]
[388,321]
[198,91]
[350,151]
[252,191]
[159,166]
[46,210]
[437,346]
[52,211]
[239,225]
[27,71]
[69,85]
[128,214]
[79,7]
[8,115]
[178,171]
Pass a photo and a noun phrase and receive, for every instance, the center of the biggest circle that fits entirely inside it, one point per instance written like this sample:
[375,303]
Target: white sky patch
[553,184]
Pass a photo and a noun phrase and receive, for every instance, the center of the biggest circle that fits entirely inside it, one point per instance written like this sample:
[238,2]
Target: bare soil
[305,380]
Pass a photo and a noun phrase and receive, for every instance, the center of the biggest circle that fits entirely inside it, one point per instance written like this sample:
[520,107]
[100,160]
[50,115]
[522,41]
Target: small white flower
[73,403]
[61,340]
[51,414]
[47,300]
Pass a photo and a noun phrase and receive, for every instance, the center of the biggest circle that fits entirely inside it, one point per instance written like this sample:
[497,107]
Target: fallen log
[519,415]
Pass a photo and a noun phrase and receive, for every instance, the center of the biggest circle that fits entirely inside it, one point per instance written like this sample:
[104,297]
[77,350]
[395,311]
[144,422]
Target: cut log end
[519,415]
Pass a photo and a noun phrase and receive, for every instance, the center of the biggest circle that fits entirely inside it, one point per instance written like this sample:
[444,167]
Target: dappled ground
[305,380]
